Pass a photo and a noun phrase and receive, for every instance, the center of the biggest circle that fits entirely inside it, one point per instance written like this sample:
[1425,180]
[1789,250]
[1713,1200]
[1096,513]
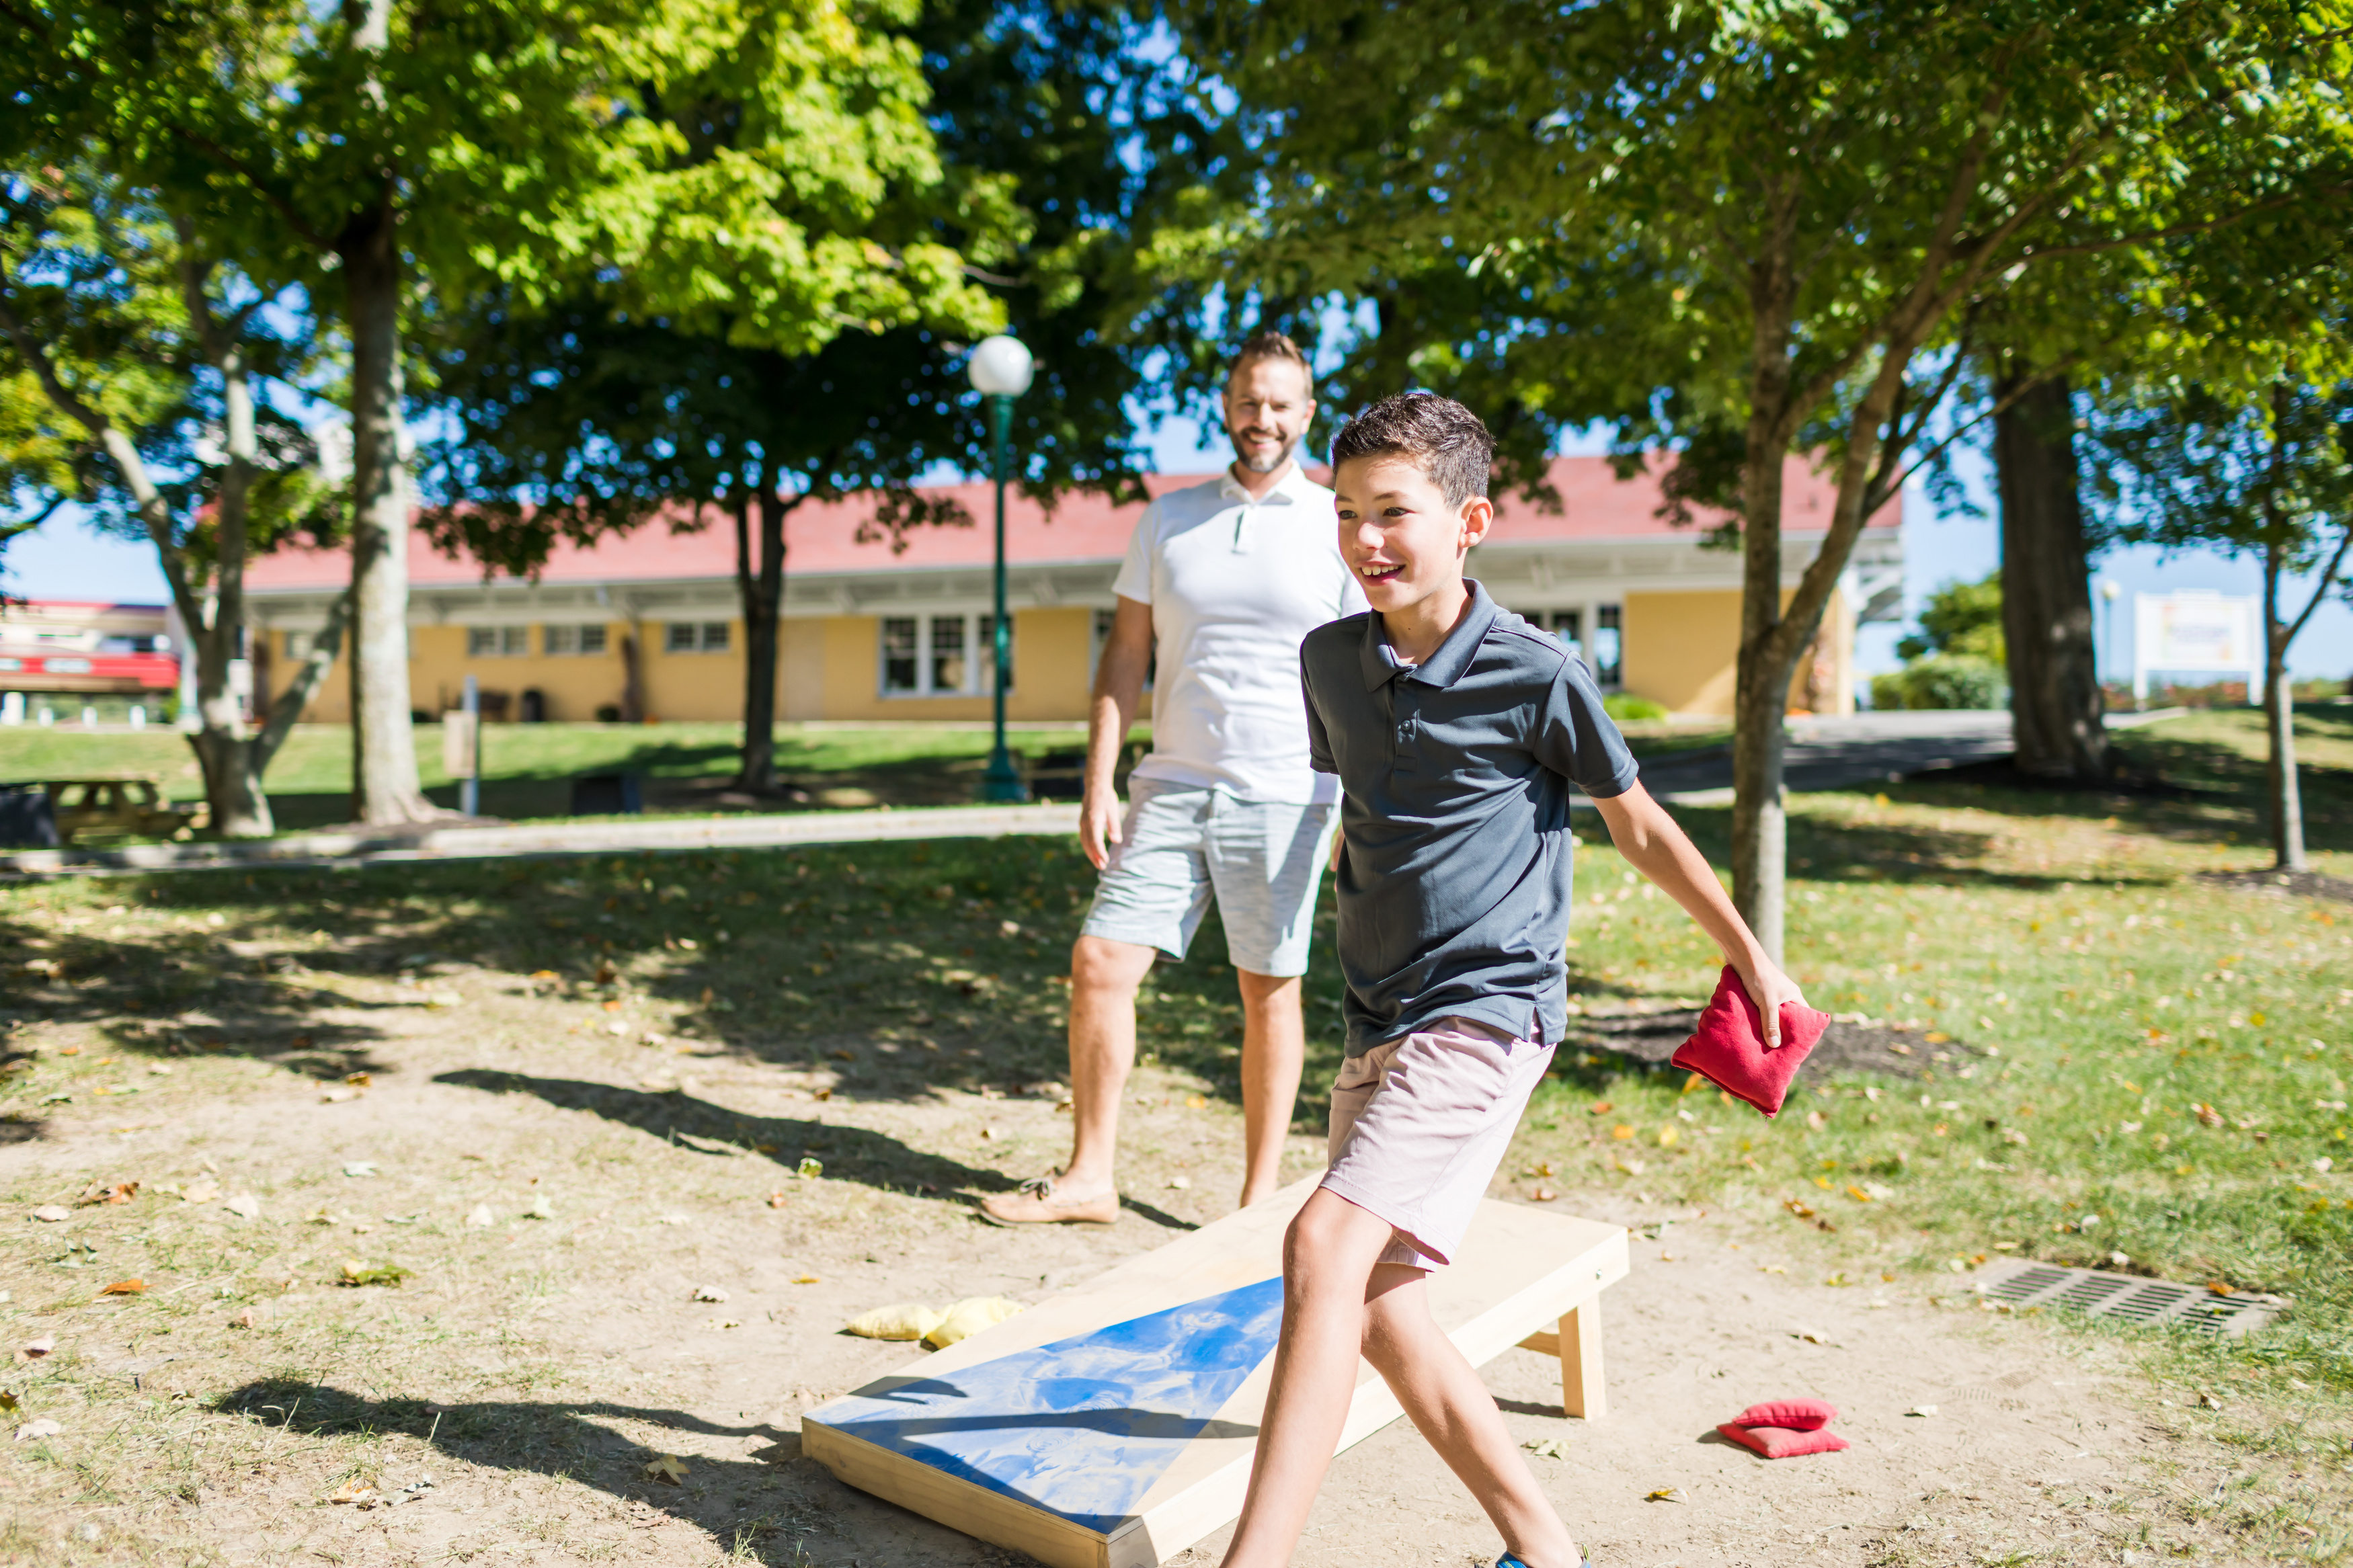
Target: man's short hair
[1270,344]
[1445,438]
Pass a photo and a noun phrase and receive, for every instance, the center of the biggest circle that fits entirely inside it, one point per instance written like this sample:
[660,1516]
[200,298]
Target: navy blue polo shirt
[1455,778]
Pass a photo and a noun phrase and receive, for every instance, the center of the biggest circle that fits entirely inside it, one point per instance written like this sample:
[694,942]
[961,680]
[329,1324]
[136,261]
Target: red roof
[821,536]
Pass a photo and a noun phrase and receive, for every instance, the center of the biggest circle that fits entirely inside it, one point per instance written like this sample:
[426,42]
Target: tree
[2266,472]
[385,155]
[1749,230]
[1966,619]
[137,359]
[595,417]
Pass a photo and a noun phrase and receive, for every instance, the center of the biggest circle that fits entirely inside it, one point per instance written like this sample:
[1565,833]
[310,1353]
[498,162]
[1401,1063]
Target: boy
[1457,731]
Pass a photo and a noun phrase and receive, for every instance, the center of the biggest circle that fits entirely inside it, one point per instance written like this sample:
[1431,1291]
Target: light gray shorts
[1184,842]
[1418,1125]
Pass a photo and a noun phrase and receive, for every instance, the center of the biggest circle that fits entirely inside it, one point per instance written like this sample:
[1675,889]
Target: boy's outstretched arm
[1652,843]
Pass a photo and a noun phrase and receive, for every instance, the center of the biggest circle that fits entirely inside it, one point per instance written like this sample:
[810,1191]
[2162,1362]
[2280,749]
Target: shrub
[1627,707]
[1942,680]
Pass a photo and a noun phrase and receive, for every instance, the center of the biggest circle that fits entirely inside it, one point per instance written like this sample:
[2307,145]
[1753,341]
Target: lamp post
[1000,371]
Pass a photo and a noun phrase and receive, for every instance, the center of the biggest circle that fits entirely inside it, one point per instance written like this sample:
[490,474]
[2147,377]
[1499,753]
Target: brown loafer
[1034,1202]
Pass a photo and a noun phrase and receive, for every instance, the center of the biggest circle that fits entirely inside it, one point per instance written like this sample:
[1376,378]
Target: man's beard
[1269,465]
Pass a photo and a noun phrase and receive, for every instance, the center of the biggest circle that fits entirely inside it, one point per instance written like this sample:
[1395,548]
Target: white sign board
[2197,631]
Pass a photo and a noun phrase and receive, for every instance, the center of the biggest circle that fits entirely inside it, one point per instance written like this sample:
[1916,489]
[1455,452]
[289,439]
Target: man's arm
[1119,688]
[1652,843]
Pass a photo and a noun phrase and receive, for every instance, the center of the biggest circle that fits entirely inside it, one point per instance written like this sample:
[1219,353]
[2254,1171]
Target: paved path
[1823,754]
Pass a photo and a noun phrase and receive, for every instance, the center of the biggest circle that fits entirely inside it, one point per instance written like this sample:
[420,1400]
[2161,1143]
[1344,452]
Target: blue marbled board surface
[1083,1426]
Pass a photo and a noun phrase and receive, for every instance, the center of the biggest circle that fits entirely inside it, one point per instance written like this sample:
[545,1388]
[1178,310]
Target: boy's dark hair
[1445,438]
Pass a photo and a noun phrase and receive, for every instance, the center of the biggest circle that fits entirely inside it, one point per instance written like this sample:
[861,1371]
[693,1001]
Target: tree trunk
[1760,702]
[761,587]
[2281,793]
[384,786]
[2056,703]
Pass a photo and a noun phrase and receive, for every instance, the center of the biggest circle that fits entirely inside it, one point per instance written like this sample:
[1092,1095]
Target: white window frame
[570,641]
[1589,618]
[701,637]
[498,642]
[970,626]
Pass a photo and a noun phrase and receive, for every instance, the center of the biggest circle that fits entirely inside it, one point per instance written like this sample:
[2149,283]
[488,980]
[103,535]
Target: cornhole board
[1113,1425]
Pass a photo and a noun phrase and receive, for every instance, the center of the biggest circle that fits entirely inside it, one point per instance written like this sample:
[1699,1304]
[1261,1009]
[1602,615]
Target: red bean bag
[1799,1415]
[1783,1442]
[1727,1047]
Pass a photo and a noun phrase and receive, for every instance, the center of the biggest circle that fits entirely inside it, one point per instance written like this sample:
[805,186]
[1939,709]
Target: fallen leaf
[1811,1336]
[1178,1183]
[1195,1102]
[245,1320]
[1664,1494]
[7,1402]
[540,1209]
[357,1273]
[1546,1448]
[50,1214]
[200,1192]
[44,1427]
[709,1293]
[338,1095]
[359,1079]
[1857,1194]
[35,1349]
[96,1193]
[360,1168]
[1667,1136]
[807,1279]
[1544,1194]
[667,1470]
[1795,1207]
[1922,1410]
[354,1490]
[480,1217]
[778,1200]
[2221,1288]
[245,1205]
[1599,1108]
[125,1287]
[810,1168]
[1817,1120]
[1621,1132]
[1541,1171]
[2207,1402]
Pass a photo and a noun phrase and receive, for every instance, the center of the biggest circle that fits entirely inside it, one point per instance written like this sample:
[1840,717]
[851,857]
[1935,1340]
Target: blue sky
[65,561]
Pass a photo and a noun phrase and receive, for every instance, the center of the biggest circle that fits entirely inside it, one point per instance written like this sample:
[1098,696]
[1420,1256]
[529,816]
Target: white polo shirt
[1234,584]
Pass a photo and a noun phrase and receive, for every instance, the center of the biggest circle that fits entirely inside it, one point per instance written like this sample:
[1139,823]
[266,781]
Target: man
[1220,583]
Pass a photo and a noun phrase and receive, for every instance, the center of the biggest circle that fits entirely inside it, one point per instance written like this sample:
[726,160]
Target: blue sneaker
[1508,1560]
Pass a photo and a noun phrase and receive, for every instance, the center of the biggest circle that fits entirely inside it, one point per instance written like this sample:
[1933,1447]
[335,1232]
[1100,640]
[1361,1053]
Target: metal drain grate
[2019,1284]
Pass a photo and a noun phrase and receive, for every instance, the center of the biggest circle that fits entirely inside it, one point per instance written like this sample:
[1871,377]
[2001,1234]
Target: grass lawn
[565,1092]
[528,768]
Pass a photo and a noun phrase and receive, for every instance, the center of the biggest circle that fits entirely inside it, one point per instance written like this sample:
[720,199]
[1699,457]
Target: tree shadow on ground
[1871,853]
[2208,775]
[763,1509]
[848,1153]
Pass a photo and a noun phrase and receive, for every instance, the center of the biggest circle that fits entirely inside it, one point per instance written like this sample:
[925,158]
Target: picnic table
[117,802]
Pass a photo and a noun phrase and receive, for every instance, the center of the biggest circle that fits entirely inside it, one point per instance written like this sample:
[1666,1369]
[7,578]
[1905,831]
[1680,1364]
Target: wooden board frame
[1522,1271]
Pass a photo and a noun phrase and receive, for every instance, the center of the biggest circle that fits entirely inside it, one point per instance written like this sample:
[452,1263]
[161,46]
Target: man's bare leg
[1274,1047]
[1105,975]
[1442,1392]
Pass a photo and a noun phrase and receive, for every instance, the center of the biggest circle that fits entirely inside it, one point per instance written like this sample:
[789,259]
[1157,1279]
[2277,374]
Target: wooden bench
[1113,1425]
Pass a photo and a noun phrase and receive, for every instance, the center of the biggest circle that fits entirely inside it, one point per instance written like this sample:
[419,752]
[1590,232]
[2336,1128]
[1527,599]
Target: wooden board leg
[1581,1391]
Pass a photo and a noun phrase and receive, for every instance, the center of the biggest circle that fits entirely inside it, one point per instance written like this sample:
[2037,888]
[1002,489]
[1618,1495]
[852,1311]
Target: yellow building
[647,626]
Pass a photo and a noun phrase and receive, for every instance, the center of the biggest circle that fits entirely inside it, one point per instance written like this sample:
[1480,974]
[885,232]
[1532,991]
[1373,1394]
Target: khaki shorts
[1418,1125]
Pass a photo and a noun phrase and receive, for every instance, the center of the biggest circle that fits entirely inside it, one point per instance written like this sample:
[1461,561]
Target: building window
[298,644]
[1608,645]
[572,639]
[695,636]
[937,656]
[986,651]
[497,642]
[901,661]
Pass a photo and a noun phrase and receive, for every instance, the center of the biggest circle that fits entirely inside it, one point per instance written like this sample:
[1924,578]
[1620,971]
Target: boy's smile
[1405,543]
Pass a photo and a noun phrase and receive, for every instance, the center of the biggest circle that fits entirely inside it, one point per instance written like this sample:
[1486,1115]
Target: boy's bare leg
[1328,1256]
[1105,975]
[1274,1046]
[1442,1392]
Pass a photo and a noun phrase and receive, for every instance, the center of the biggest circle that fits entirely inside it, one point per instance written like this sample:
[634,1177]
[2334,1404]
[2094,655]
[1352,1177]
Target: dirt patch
[2286,884]
[1845,1047]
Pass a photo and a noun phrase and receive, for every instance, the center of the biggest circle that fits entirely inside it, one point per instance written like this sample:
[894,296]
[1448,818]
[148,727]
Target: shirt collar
[1441,669]
[1285,491]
